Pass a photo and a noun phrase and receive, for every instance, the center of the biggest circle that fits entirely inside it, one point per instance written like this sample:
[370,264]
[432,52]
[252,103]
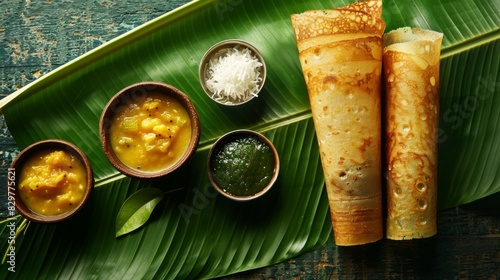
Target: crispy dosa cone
[411,70]
[340,52]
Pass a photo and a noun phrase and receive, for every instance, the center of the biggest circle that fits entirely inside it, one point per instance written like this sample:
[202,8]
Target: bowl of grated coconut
[232,72]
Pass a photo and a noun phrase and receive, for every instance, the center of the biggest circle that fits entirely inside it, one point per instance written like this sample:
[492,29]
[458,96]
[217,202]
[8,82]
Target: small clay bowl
[231,137]
[143,89]
[220,50]
[18,164]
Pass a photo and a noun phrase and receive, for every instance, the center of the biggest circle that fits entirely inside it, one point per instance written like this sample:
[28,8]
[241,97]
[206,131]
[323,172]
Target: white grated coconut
[235,75]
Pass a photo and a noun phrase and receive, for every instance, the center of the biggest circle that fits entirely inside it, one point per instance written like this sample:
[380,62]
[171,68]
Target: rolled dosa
[411,70]
[340,52]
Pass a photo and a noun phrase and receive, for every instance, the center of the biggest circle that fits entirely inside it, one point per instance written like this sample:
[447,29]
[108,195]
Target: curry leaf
[137,209]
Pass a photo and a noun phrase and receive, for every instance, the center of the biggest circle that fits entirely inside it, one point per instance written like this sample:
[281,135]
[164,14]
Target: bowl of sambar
[149,130]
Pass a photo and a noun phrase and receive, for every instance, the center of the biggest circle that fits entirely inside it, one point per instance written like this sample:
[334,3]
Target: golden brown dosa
[411,70]
[340,51]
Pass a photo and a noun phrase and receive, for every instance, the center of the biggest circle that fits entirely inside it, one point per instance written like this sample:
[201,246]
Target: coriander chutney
[243,165]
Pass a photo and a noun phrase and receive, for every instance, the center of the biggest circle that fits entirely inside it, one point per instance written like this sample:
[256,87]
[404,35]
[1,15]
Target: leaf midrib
[470,43]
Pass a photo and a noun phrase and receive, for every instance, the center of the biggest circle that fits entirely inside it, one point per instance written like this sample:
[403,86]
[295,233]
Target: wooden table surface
[38,36]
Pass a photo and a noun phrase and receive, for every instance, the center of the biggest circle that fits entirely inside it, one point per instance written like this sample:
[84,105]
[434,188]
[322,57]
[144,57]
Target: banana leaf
[193,232]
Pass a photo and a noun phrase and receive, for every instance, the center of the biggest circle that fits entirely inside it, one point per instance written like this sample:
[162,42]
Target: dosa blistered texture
[411,70]
[340,51]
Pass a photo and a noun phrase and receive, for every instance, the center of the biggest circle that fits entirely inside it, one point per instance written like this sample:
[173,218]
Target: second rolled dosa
[340,51]
[411,70]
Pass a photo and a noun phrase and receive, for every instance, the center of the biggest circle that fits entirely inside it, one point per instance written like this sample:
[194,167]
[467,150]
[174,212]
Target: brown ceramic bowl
[230,138]
[219,50]
[143,89]
[16,169]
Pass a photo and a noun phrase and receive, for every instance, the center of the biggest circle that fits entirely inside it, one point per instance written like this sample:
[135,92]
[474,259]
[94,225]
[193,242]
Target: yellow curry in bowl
[150,133]
[149,130]
[52,182]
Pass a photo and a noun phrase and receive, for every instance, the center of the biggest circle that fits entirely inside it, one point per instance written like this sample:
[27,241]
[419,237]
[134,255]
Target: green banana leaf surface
[194,232]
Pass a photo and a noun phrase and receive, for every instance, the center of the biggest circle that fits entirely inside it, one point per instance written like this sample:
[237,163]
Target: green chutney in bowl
[243,165]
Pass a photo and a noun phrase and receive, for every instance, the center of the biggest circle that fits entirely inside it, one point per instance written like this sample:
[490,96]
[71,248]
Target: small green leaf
[136,210]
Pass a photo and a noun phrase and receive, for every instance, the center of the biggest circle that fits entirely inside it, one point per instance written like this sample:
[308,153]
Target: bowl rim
[230,136]
[202,68]
[18,163]
[140,89]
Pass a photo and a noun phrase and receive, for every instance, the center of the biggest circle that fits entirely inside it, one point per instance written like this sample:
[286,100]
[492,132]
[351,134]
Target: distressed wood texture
[38,36]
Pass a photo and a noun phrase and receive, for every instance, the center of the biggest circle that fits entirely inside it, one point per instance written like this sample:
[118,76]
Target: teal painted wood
[38,36]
